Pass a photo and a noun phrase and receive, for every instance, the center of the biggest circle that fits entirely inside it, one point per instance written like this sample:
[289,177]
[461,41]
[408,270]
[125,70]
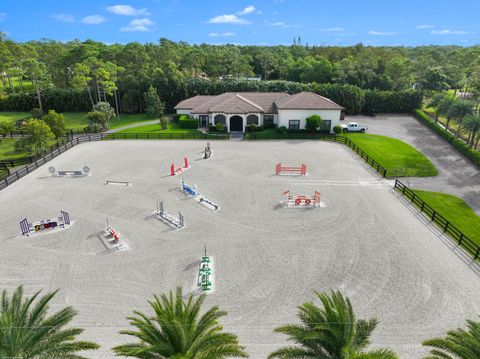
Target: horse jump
[85,171]
[302,170]
[177,222]
[62,222]
[120,183]
[193,192]
[112,239]
[300,201]
[208,152]
[175,171]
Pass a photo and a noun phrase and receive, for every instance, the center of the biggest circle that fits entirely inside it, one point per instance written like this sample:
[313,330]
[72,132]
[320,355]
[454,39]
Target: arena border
[443,224]
[61,148]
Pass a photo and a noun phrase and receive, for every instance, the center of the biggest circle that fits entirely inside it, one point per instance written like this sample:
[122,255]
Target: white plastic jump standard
[177,222]
[62,222]
[85,171]
[292,171]
[299,201]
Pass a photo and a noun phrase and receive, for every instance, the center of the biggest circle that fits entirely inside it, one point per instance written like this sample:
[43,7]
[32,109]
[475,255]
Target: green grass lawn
[7,149]
[392,154]
[13,116]
[77,121]
[455,210]
[172,128]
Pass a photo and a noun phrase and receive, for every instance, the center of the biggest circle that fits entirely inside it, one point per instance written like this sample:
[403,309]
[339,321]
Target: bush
[176,117]
[220,127]
[187,122]
[338,129]
[163,123]
[56,122]
[392,101]
[281,129]
[97,121]
[253,128]
[313,123]
[459,145]
[5,128]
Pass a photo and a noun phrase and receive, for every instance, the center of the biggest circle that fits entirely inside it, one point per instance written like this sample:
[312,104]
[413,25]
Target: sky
[263,22]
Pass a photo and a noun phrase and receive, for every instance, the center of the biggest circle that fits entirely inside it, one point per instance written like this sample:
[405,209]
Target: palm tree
[472,125]
[331,332]
[27,332]
[434,101]
[458,344]
[178,331]
[459,110]
[444,106]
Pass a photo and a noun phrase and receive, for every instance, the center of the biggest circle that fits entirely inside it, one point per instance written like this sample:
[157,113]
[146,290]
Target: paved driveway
[456,174]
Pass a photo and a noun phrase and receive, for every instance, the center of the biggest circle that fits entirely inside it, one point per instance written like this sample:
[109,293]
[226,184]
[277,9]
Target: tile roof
[259,102]
[307,101]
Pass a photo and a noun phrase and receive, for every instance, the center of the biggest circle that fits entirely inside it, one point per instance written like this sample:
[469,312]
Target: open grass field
[155,128]
[7,149]
[455,210]
[77,121]
[13,116]
[364,241]
[394,154]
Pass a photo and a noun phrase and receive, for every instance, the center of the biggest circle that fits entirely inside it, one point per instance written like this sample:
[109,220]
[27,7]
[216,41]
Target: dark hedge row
[460,145]
[354,99]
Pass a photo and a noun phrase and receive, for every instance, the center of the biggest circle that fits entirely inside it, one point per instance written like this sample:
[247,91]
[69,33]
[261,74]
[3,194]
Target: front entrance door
[203,120]
[236,123]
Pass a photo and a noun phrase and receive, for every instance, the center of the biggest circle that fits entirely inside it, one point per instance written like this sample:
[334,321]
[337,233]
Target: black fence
[447,227]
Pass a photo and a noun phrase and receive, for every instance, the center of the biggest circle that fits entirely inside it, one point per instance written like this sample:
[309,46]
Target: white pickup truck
[353,127]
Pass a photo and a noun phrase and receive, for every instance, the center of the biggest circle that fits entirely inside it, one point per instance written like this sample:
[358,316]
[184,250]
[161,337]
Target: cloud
[138,25]
[448,32]
[228,19]
[425,27]
[62,17]
[248,10]
[279,24]
[381,33]
[225,34]
[93,19]
[3,16]
[332,29]
[127,10]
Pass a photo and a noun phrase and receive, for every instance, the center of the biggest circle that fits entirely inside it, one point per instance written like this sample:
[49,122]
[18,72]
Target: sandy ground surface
[456,174]
[366,242]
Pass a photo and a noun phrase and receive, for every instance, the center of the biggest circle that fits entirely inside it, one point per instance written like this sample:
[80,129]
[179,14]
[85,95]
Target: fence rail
[446,226]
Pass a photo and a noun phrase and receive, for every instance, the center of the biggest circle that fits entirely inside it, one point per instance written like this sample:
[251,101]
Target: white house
[236,110]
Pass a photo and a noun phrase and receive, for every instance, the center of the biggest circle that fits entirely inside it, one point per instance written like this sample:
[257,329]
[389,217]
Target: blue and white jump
[194,194]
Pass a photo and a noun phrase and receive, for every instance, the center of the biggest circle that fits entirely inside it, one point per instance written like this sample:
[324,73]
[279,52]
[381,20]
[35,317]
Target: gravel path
[456,174]
[366,242]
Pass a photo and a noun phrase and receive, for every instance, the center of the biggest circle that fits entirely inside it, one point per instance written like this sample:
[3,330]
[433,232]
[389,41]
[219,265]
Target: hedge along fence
[447,227]
[458,144]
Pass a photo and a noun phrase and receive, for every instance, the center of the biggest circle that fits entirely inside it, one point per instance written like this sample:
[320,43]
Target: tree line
[179,328]
[121,74]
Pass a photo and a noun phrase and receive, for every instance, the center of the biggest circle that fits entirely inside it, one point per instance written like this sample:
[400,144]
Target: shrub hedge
[392,101]
[187,122]
[460,145]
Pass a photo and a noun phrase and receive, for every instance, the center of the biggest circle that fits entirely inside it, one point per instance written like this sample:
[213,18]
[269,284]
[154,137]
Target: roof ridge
[250,102]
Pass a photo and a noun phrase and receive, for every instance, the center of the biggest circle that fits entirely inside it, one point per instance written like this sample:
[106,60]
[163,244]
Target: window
[294,124]
[325,126]
[252,120]
[220,119]
[268,120]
